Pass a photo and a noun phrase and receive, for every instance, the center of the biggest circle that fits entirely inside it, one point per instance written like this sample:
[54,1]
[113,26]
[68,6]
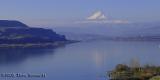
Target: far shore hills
[15,34]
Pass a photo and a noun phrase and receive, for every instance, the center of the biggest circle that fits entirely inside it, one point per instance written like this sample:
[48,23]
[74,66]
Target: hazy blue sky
[49,12]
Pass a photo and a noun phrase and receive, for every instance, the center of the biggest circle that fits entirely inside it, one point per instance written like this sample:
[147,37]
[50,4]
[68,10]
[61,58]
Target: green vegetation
[155,78]
[125,72]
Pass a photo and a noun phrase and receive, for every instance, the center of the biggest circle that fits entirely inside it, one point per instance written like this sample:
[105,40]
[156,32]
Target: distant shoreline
[38,45]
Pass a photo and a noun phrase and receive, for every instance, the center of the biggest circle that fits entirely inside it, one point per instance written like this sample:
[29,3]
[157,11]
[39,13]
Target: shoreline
[38,45]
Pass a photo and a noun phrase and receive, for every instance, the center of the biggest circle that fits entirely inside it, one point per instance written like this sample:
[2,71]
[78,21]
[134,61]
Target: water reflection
[98,58]
[18,55]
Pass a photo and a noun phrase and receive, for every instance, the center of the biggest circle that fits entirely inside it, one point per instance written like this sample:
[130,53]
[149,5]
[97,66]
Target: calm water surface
[79,61]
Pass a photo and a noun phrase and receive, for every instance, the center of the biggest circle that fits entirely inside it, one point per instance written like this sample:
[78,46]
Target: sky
[54,12]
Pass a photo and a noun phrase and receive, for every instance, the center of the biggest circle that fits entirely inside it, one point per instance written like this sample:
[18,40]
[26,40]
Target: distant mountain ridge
[132,31]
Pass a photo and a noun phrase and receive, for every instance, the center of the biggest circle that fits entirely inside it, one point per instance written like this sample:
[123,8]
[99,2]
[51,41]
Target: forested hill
[16,32]
[11,23]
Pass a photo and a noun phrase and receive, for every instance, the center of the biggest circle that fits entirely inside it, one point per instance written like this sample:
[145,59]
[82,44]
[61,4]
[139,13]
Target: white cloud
[97,16]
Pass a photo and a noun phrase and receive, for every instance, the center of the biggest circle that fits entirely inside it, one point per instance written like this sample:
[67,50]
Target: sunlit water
[78,61]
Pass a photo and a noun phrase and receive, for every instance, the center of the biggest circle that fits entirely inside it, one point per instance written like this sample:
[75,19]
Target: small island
[17,34]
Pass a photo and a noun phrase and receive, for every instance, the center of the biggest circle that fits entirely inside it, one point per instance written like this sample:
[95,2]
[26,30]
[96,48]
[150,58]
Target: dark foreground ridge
[18,34]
